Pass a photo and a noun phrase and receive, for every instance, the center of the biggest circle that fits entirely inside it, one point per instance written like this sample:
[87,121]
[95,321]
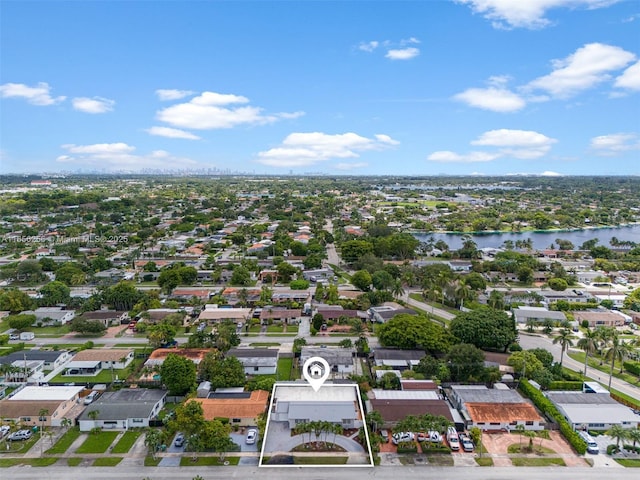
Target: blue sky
[350,87]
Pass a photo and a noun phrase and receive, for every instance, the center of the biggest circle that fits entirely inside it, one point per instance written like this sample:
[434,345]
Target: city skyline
[357,88]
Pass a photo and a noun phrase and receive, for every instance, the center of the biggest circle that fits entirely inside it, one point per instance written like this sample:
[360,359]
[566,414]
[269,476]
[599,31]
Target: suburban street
[312,473]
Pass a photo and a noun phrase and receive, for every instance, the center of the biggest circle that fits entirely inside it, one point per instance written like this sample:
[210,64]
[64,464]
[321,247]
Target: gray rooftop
[393,354]
[125,403]
[335,412]
[581,398]
[44,355]
[482,394]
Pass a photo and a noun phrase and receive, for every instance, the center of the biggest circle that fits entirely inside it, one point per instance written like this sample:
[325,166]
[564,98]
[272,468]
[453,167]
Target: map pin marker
[316,370]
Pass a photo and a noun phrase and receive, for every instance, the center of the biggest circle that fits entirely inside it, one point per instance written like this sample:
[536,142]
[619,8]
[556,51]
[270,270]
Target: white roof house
[62,393]
[593,411]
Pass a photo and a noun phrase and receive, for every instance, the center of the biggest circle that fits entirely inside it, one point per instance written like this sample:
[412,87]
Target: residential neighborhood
[181,341]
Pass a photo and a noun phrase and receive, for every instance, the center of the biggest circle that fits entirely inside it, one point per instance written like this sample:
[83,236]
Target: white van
[592,446]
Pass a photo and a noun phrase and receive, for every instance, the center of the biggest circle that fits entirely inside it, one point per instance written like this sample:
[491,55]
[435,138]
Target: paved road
[427,307]
[541,341]
[313,473]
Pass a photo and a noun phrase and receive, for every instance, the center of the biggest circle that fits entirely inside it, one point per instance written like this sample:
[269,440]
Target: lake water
[541,240]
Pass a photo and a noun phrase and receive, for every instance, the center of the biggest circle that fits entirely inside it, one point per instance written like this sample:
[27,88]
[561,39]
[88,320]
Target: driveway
[279,439]
[240,439]
[173,461]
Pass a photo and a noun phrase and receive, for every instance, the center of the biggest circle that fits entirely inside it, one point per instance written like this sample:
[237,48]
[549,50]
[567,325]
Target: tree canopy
[414,331]
[178,374]
[486,328]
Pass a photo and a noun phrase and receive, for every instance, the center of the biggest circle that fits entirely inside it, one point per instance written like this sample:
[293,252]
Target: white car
[432,436]
[252,435]
[20,435]
[4,429]
[400,437]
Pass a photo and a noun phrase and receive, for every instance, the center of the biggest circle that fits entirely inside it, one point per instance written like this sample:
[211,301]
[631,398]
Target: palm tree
[617,350]
[520,429]
[397,289]
[634,435]
[462,292]
[588,343]
[618,433]
[531,324]
[565,339]
[543,435]
[42,416]
[530,434]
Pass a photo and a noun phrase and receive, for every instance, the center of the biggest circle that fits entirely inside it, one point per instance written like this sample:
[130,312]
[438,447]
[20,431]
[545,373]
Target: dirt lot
[497,444]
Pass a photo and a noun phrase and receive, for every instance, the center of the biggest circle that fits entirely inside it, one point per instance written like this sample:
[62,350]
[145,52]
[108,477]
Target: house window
[494,423]
[236,420]
[138,420]
[529,422]
[256,369]
[301,420]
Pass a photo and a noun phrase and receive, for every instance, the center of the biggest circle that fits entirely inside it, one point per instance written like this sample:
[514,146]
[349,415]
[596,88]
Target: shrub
[407,447]
[545,405]
[514,347]
[611,449]
[565,385]
[633,367]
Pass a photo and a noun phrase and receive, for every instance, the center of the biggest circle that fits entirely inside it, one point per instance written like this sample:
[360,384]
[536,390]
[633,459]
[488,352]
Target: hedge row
[565,385]
[633,367]
[549,409]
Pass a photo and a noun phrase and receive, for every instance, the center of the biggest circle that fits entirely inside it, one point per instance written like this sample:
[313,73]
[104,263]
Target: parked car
[14,336]
[402,437]
[385,435]
[252,435]
[179,441]
[91,397]
[452,438]
[4,429]
[592,445]
[20,435]
[432,436]
[465,441]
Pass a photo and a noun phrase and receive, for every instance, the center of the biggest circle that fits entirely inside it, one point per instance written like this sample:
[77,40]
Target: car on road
[465,441]
[400,437]
[20,435]
[179,441]
[252,435]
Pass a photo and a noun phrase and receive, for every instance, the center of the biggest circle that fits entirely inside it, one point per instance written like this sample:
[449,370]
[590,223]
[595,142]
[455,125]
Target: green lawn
[264,344]
[208,461]
[594,362]
[74,461]
[629,462]
[34,462]
[65,441]
[126,441]
[320,460]
[485,461]
[537,462]
[284,368]
[524,448]
[150,462]
[107,461]
[97,443]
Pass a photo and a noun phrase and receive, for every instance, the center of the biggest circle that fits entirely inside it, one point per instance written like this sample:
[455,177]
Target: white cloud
[93,105]
[403,53]
[211,110]
[350,166]
[630,78]
[38,95]
[369,46]
[171,133]
[492,98]
[447,156]
[410,40]
[526,13]
[615,144]
[585,68]
[519,144]
[303,149]
[171,94]
[549,173]
[120,156]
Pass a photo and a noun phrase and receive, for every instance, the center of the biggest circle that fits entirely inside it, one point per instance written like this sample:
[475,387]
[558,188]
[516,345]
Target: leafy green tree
[299,284]
[317,321]
[428,366]
[15,301]
[382,280]
[178,374]
[352,250]
[485,328]
[54,293]
[525,363]
[544,355]
[161,334]
[67,270]
[87,327]
[414,331]
[465,362]
[361,280]
[227,372]
[558,284]
[123,296]
[286,271]
[240,276]
[21,321]
[389,381]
